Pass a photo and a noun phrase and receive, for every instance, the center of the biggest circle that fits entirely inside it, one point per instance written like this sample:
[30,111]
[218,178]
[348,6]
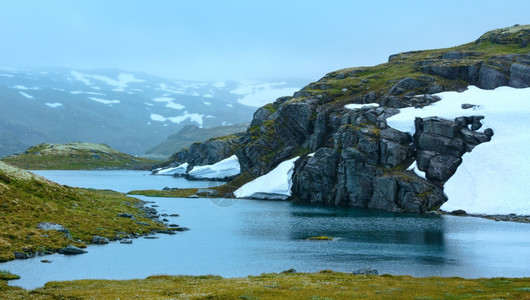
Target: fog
[240,40]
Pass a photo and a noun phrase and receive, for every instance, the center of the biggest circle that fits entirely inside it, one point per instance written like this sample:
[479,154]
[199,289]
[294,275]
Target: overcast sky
[240,40]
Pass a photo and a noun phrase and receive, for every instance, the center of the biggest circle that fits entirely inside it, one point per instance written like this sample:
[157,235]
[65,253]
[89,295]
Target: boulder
[71,250]
[98,240]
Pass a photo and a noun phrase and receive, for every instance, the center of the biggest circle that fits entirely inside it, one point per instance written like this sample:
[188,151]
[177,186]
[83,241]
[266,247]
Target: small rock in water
[71,250]
[126,242]
[174,215]
[182,229]
[365,271]
[45,261]
[151,237]
[173,225]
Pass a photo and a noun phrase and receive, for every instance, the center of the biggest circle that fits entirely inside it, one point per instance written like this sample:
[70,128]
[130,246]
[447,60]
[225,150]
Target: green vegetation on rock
[322,285]
[27,200]
[76,156]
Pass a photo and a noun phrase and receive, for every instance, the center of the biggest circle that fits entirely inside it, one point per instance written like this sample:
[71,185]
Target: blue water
[235,238]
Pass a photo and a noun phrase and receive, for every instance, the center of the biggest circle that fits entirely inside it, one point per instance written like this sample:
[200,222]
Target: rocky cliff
[358,159]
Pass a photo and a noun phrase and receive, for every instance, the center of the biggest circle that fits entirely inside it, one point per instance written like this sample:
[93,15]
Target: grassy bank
[27,199]
[323,285]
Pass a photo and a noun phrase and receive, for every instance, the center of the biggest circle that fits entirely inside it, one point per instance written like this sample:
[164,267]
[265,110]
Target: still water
[247,237]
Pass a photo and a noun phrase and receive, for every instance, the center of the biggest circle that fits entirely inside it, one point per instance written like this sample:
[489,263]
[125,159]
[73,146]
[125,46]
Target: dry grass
[323,285]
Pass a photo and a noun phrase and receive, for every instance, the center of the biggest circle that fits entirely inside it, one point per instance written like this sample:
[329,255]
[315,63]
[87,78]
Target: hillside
[188,135]
[75,156]
[28,200]
[131,112]
[358,159]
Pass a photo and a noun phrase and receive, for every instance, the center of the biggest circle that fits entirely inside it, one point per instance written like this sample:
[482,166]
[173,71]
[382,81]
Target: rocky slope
[358,159]
[188,135]
[74,156]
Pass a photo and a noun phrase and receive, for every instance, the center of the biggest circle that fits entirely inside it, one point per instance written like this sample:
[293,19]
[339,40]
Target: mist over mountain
[131,112]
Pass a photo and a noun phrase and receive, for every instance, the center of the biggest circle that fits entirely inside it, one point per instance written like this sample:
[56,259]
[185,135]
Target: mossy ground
[27,199]
[76,156]
[323,285]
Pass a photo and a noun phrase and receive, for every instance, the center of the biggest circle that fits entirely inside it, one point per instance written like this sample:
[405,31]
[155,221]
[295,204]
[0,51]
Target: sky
[237,39]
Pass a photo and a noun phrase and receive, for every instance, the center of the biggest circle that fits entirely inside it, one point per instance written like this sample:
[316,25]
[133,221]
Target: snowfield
[275,185]
[178,170]
[495,177]
[228,167]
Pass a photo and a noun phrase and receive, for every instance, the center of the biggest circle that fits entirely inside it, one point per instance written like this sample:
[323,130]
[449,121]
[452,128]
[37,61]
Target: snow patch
[179,170]
[192,117]
[174,105]
[88,93]
[414,167]
[7,75]
[494,177]
[208,96]
[258,94]
[120,84]
[357,106]
[20,87]
[104,101]
[26,95]
[207,103]
[226,168]
[275,185]
[54,105]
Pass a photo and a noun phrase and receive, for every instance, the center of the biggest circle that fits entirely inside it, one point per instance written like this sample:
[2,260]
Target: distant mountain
[131,112]
[74,156]
[189,135]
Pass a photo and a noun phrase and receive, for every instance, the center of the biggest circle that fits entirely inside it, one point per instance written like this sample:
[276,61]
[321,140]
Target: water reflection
[252,237]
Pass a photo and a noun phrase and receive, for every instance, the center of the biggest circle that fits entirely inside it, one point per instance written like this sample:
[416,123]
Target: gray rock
[98,240]
[21,255]
[125,215]
[365,271]
[490,78]
[126,241]
[71,250]
[53,226]
[519,75]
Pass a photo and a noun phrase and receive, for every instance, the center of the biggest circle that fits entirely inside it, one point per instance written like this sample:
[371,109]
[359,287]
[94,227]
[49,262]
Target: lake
[235,238]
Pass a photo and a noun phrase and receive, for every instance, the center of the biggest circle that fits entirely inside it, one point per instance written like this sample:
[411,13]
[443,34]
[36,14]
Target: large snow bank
[228,167]
[275,185]
[495,177]
[178,170]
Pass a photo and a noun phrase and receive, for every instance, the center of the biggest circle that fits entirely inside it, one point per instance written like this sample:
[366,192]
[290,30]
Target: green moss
[6,275]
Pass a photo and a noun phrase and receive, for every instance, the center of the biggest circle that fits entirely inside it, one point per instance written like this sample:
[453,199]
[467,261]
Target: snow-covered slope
[224,169]
[130,112]
[495,177]
[178,170]
[275,185]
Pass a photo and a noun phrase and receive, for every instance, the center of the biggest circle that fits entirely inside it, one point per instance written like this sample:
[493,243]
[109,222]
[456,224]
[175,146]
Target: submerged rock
[71,250]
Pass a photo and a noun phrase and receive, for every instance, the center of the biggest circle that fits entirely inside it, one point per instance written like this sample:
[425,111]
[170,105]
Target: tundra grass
[76,156]
[323,285]
[27,199]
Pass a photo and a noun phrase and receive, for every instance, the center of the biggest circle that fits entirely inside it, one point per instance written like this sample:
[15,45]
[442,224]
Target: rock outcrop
[206,153]
[358,159]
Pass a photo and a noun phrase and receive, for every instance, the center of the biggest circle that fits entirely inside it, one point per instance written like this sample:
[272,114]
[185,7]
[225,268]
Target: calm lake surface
[234,238]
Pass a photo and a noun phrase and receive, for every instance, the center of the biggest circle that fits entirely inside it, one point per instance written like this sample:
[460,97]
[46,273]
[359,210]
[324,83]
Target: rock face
[358,159]
[206,153]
